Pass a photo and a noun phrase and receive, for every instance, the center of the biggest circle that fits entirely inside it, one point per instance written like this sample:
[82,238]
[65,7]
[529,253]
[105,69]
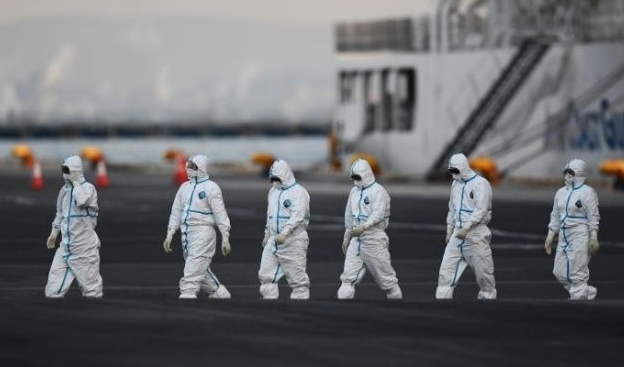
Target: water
[301,152]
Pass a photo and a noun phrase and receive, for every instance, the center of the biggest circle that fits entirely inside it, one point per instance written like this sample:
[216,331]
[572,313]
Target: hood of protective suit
[578,166]
[281,170]
[363,169]
[460,162]
[202,167]
[74,163]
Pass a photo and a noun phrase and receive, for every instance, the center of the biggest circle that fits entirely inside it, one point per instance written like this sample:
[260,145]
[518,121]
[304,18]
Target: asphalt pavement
[140,321]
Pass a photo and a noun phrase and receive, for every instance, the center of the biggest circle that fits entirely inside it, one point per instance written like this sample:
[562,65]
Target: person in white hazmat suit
[198,209]
[78,254]
[365,243]
[285,242]
[575,219]
[467,234]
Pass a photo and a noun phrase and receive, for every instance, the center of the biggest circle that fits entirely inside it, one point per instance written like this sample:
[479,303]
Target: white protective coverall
[574,217]
[78,254]
[197,209]
[367,212]
[468,236]
[288,216]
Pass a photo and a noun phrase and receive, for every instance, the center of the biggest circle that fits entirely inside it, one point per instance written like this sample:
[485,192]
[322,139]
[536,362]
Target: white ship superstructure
[528,83]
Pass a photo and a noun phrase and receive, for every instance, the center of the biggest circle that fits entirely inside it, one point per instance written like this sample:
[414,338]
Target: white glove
[51,242]
[267,235]
[225,244]
[463,232]
[358,230]
[548,244]
[167,243]
[346,240]
[74,179]
[593,241]
[449,232]
[281,237]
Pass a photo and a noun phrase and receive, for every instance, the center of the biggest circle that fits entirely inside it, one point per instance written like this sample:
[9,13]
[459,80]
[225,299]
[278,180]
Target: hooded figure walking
[198,211]
[468,237]
[78,254]
[285,242]
[575,218]
[365,242]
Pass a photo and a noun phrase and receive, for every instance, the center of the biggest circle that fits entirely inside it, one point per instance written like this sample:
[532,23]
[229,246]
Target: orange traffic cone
[179,173]
[36,182]
[101,178]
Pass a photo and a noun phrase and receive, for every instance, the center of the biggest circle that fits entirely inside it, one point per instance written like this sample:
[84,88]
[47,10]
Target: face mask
[65,172]
[454,171]
[191,169]
[275,182]
[190,173]
[357,180]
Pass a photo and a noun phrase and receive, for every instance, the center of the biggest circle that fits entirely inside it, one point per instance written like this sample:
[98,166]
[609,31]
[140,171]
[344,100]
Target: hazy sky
[257,58]
[289,11]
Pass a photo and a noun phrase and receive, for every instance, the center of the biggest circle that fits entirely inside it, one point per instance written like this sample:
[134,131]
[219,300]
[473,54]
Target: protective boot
[269,291]
[487,295]
[187,296]
[302,293]
[346,291]
[394,293]
[220,293]
[444,292]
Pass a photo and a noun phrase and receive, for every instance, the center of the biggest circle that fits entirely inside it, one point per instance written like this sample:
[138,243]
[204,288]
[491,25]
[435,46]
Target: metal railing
[492,105]
[488,24]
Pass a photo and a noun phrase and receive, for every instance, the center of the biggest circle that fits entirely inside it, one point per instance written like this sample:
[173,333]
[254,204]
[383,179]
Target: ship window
[387,99]
[371,103]
[346,82]
[406,99]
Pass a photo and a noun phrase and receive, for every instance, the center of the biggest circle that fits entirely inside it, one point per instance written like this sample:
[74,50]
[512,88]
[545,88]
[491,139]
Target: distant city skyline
[157,60]
[280,11]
